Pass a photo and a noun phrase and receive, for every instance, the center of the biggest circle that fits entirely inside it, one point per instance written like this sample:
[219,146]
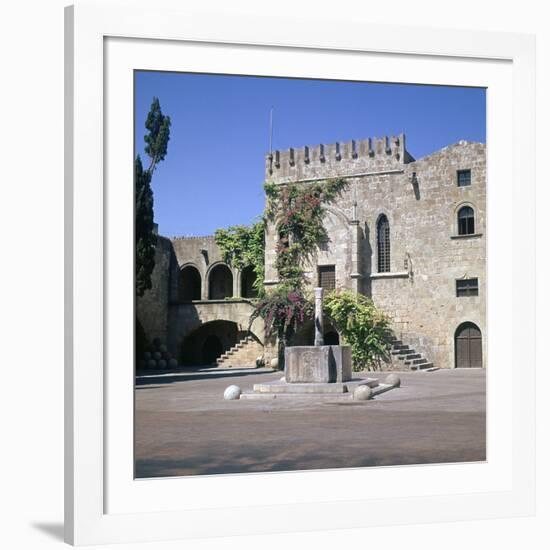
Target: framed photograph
[299,274]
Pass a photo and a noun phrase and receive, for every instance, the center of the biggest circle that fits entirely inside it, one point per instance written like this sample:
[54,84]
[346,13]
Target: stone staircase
[242,354]
[408,358]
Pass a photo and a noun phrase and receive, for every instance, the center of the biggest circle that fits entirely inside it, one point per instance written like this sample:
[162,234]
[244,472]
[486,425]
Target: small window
[467,287]
[327,277]
[466,222]
[464,178]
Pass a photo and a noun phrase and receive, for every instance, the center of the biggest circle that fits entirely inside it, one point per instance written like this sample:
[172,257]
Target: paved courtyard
[184,426]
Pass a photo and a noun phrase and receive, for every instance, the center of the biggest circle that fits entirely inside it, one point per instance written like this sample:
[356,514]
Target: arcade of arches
[219,283]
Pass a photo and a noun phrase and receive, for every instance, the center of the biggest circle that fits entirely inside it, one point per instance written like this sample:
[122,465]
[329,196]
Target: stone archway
[220,283]
[189,284]
[248,278]
[208,342]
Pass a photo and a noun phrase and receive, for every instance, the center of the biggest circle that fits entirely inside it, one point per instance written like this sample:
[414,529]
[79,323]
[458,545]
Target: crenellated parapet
[348,158]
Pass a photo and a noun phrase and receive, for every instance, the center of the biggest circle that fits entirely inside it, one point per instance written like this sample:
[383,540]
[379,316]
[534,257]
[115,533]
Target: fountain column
[319,339]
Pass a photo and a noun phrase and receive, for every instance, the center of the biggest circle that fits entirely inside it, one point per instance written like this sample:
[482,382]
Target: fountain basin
[317,364]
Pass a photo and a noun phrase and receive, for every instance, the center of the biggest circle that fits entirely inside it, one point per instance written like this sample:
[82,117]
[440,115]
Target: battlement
[353,157]
[192,238]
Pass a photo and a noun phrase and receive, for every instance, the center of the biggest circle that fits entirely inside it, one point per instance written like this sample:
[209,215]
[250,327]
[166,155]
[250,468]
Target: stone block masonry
[425,251]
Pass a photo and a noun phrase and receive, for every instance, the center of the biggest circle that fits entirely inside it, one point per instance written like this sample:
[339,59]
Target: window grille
[467,287]
[327,277]
[464,178]
[466,222]
[383,242]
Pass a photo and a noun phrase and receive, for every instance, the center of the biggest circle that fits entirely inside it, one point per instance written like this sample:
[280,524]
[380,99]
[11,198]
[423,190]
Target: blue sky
[214,170]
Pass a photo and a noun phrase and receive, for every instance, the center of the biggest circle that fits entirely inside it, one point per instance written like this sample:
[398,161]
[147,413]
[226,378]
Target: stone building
[408,233]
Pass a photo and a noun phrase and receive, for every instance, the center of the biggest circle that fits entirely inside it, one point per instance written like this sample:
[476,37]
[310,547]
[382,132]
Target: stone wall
[152,307]
[421,200]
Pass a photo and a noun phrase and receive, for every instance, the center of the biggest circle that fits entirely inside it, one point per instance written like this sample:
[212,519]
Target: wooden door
[468,349]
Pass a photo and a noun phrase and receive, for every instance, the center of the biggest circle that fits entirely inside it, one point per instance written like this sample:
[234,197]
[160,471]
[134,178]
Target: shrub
[362,326]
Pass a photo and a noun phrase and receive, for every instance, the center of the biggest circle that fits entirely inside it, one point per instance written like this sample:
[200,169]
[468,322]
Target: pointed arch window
[383,244]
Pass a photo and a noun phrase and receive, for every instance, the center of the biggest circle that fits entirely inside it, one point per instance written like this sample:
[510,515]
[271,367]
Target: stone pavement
[184,426]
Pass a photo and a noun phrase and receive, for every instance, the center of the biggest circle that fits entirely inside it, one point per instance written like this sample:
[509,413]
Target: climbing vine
[242,246]
[297,210]
[283,311]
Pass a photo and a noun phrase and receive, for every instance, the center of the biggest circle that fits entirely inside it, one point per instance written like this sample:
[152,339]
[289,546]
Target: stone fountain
[318,371]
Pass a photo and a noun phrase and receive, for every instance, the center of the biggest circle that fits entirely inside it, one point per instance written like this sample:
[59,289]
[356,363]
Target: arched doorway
[212,348]
[468,346]
[189,284]
[220,283]
[248,278]
[208,341]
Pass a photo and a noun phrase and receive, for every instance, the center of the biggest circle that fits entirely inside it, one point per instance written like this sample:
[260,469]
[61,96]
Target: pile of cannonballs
[158,357]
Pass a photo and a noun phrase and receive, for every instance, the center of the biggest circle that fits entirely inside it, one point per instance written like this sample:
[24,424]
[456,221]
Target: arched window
[248,278]
[466,223]
[189,284]
[383,244]
[468,349]
[220,283]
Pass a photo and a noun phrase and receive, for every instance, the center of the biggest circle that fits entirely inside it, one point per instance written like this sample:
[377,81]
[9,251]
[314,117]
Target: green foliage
[157,146]
[283,311]
[298,209]
[145,238]
[243,246]
[365,328]
[158,136]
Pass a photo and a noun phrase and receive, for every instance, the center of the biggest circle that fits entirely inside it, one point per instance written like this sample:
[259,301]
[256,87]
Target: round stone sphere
[161,364]
[393,380]
[147,355]
[172,363]
[274,363]
[259,361]
[232,392]
[162,348]
[362,393]
[157,355]
[151,364]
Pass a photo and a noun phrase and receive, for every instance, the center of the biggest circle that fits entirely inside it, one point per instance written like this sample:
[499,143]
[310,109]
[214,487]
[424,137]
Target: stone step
[411,356]
[401,347]
[422,366]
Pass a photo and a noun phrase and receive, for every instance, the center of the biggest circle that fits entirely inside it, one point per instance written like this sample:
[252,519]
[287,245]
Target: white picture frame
[103,503]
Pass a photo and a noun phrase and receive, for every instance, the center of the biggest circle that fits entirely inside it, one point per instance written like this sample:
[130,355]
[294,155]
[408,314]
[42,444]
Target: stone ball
[393,380]
[161,364]
[151,364]
[157,355]
[362,393]
[260,361]
[274,363]
[163,348]
[172,363]
[232,392]
[147,355]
